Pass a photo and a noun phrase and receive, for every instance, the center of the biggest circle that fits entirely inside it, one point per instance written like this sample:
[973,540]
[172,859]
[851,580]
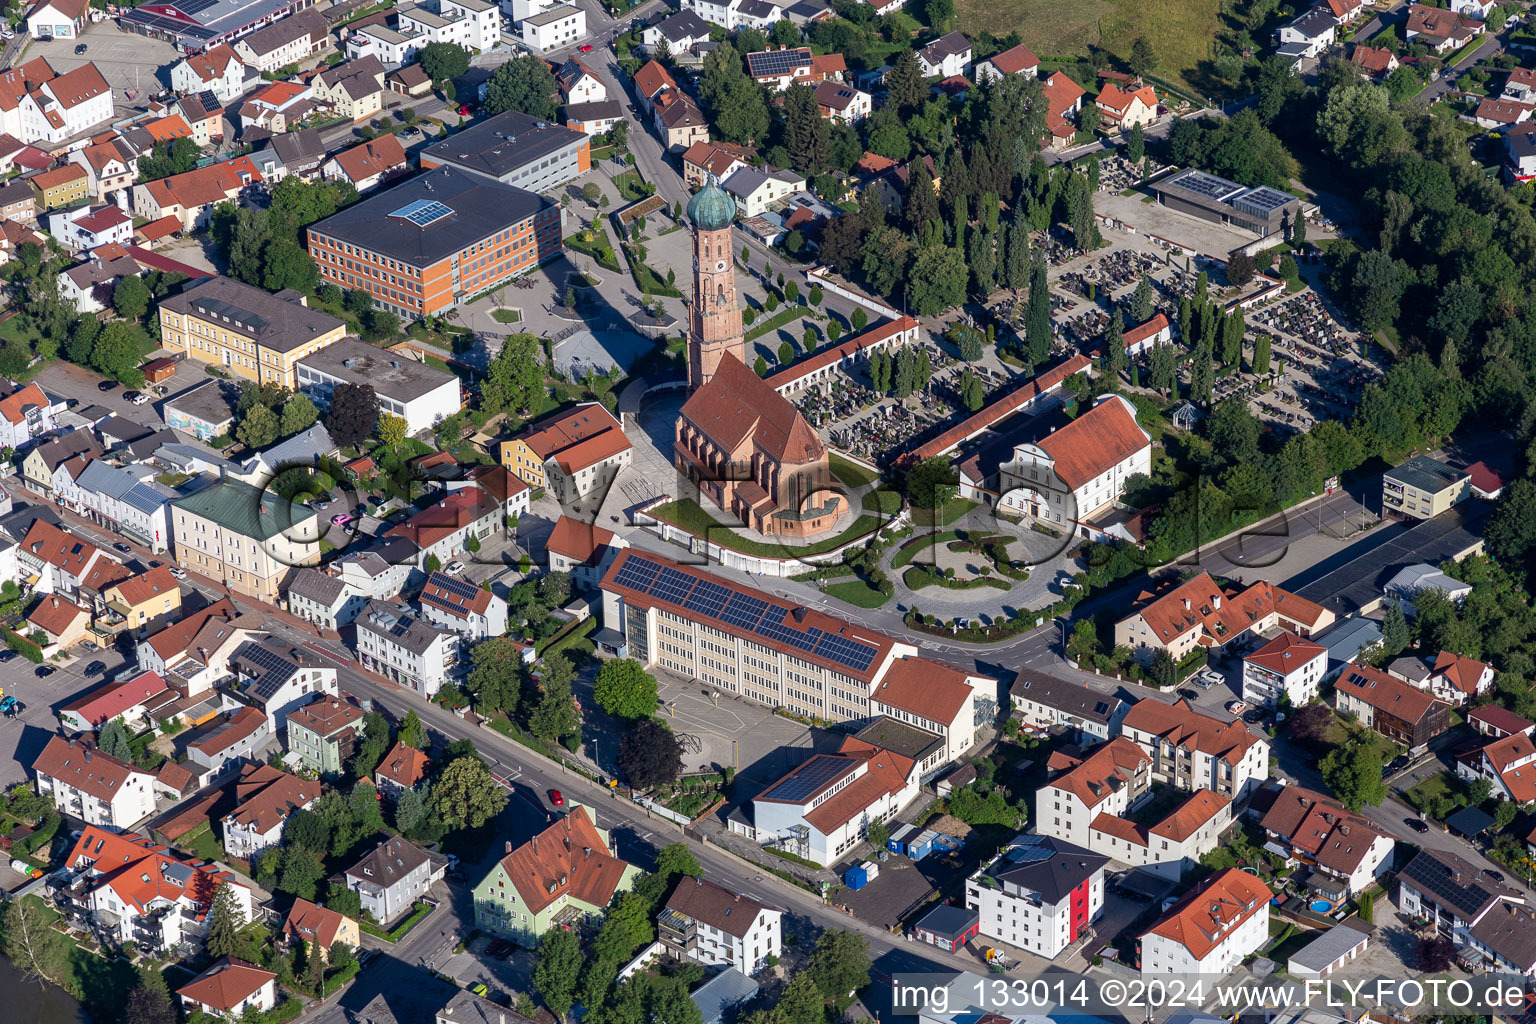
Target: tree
[35,949]
[113,740]
[904,83]
[1434,954]
[116,354]
[1142,61]
[495,678]
[761,366]
[556,970]
[515,377]
[1394,630]
[411,812]
[1037,313]
[786,353]
[167,158]
[466,793]
[905,377]
[149,1002]
[919,204]
[1135,144]
[735,102]
[1240,269]
[1163,672]
[1143,301]
[353,414]
[524,84]
[392,430]
[374,746]
[1353,772]
[859,319]
[807,135]
[444,61]
[259,428]
[555,714]
[226,919]
[1088,118]
[412,732]
[625,689]
[299,413]
[937,280]
[840,963]
[650,755]
[344,900]
[1311,724]
[1261,345]
[131,297]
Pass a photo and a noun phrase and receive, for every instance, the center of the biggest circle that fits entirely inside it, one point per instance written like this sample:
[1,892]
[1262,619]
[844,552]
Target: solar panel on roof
[776,62]
[422,212]
[1263,199]
[457,587]
[1208,185]
[708,598]
[194,7]
[743,611]
[809,779]
[637,573]
[1029,849]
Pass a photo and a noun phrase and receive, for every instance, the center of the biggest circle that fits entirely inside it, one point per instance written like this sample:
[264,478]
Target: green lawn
[858,593]
[850,473]
[202,843]
[882,502]
[952,510]
[506,316]
[1430,789]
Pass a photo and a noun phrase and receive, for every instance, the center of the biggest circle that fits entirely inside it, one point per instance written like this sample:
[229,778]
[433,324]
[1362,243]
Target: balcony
[676,929]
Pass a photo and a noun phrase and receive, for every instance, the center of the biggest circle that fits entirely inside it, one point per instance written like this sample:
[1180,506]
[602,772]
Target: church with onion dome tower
[746,448]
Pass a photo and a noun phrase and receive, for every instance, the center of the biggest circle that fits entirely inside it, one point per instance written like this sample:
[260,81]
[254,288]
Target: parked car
[1188,694]
[139,398]
[557,798]
[454,567]
[79,49]
[124,548]
[585,48]
[1237,707]
[497,948]
[178,572]
[464,110]
[106,385]
[6,655]
[95,668]
[343,518]
[45,38]
[1417,825]
[44,671]
[479,989]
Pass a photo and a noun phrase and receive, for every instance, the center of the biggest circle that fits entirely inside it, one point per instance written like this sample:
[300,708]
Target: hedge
[422,910]
[22,646]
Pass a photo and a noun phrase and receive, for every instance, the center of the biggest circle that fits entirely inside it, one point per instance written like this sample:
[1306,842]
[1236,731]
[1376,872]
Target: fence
[652,807]
[820,276]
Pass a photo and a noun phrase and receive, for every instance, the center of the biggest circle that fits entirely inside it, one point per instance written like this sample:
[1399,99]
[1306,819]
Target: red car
[463,109]
[585,48]
[557,798]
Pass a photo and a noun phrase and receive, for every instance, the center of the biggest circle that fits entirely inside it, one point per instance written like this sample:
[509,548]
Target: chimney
[1216,602]
[1186,604]
[87,753]
[509,846]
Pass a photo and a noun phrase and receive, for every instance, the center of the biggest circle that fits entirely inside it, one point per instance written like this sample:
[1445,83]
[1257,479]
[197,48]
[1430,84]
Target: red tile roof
[1118,101]
[1320,827]
[61,550]
[165,129]
[1010,62]
[226,984]
[77,763]
[313,923]
[14,406]
[1061,92]
[1094,443]
[405,766]
[1503,111]
[58,176]
[454,511]
[1375,59]
[887,775]
[1485,478]
[1003,407]
[106,702]
[652,78]
[1500,718]
[569,858]
[376,156]
[326,715]
[141,871]
[1141,332]
[577,438]
[924,688]
[1108,768]
[1191,816]
[232,730]
[56,615]
[1385,693]
[577,540]
[1213,910]
[174,638]
[829,355]
[266,796]
[147,586]
[1461,672]
[1180,724]
[737,406]
[1286,653]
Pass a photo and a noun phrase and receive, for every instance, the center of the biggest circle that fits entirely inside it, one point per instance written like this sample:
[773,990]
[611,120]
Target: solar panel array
[1263,199]
[462,589]
[809,779]
[1449,891]
[195,7]
[173,27]
[1029,849]
[1207,185]
[275,669]
[741,611]
[423,212]
[776,62]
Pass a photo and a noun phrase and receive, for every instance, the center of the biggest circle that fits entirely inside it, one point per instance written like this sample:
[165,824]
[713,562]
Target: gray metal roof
[1314,23]
[1065,695]
[317,586]
[725,990]
[104,478]
[500,146]
[1328,947]
[275,323]
[400,626]
[391,374]
[683,26]
[212,402]
[480,208]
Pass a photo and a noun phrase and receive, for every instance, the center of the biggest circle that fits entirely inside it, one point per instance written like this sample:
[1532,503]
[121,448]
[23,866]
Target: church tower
[714,322]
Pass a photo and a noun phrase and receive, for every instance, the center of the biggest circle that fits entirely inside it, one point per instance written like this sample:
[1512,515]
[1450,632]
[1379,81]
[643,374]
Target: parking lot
[134,66]
[23,737]
[761,745]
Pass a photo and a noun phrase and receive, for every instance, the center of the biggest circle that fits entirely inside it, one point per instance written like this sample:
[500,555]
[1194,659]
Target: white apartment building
[711,925]
[1286,666]
[1038,895]
[1451,893]
[132,889]
[391,47]
[555,27]
[747,642]
[94,787]
[266,797]
[733,14]
[1508,763]
[25,413]
[326,600]
[946,56]
[1089,801]
[1046,702]
[824,808]
[373,575]
[218,70]
[453,603]
[239,735]
[1074,472]
[1212,929]
[392,877]
[127,502]
[1456,679]
[276,678]
[472,24]
[395,642]
[1193,751]
[421,395]
[66,106]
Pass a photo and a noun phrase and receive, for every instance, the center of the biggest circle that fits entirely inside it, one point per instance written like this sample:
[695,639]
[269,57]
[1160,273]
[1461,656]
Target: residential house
[946,56]
[299,151]
[579,83]
[1040,894]
[1391,707]
[25,415]
[733,14]
[1212,929]
[394,877]
[397,643]
[1063,98]
[1509,765]
[131,889]
[1092,802]
[1493,720]
[1044,702]
[204,113]
[572,453]
[453,603]
[62,186]
[18,203]
[1502,941]
[63,107]
[1345,11]
[230,988]
[1286,666]
[322,735]
[368,165]
[287,41]
[843,104]
[379,573]
[475,25]
[125,698]
[59,561]
[1020,60]
[1143,338]
[128,500]
[679,121]
[1308,34]
[323,599]
[265,797]
[109,166]
[681,32]
[1193,751]
[238,735]
[94,787]
[1374,62]
[1497,113]
[1478,9]
[217,69]
[444,530]
[1440,29]
[823,808]
[147,602]
[61,19]
[91,284]
[403,768]
[1455,896]
[786,66]
[561,877]
[713,926]
[1198,613]
[191,197]
[593,118]
[278,679]
[756,190]
[721,159]
[353,90]
[250,539]
[584,550]
[61,622]
[319,928]
[1459,680]
[277,107]
[1126,106]
[653,80]
[158,652]
[1421,577]
[1345,851]
[554,28]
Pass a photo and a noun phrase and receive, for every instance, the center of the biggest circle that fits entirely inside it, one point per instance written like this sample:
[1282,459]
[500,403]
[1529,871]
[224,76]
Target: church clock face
[720,267]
